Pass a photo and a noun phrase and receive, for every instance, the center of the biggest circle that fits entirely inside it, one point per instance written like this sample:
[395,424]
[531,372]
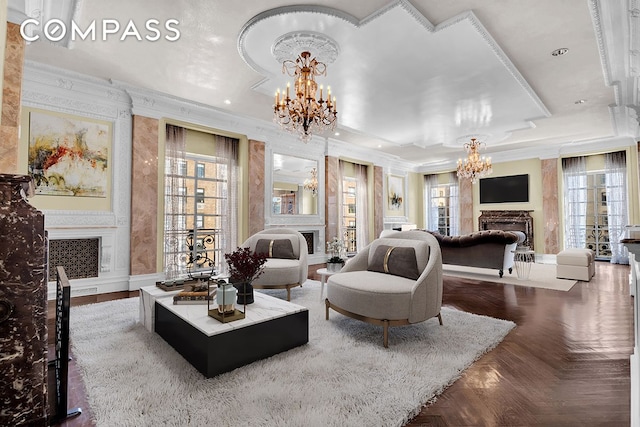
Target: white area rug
[342,377]
[541,276]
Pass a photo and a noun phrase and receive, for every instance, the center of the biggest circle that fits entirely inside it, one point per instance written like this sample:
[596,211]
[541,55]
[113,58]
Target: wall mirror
[295,186]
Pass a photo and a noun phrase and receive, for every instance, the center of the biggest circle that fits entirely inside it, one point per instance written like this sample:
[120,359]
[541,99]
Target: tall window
[200,212]
[596,223]
[595,204]
[349,220]
[353,205]
[441,205]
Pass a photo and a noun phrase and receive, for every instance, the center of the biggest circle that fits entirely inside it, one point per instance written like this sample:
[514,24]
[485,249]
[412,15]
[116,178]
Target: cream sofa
[390,299]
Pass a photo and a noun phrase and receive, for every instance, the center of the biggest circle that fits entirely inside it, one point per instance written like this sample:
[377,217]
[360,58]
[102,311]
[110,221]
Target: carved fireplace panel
[508,221]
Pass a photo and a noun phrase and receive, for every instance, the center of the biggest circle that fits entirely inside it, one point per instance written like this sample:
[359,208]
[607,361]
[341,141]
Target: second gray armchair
[394,281]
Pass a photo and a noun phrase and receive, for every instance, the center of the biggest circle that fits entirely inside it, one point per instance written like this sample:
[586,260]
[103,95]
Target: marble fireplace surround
[106,279]
[317,255]
[508,220]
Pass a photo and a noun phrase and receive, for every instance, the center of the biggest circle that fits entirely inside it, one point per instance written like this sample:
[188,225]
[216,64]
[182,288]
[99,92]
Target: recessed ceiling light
[337,134]
[226,101]
[560,52]
[379,145]
[580,101]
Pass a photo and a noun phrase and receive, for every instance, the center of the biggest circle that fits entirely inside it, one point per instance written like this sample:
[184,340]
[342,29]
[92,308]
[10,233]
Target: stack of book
[198,297]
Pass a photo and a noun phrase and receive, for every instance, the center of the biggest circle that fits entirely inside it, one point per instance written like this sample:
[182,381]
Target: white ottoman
[576,264]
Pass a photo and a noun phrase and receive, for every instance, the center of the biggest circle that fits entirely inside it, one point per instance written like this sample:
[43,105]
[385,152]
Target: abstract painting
[395,185]
[68,156]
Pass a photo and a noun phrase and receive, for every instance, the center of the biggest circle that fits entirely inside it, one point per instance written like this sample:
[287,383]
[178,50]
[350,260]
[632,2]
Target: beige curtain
[362,207]
[227,153]
[431,182]
[342,232]
[574,171]
[617,216]
[175,201]
[454,204]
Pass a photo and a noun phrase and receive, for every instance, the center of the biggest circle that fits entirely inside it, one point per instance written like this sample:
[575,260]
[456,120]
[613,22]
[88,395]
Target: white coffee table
[324,273]
[270,326]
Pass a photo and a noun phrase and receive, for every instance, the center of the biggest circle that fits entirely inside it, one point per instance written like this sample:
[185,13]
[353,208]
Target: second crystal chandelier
[474,166]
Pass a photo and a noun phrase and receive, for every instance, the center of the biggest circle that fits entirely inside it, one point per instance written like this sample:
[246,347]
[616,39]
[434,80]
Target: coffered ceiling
[414,79]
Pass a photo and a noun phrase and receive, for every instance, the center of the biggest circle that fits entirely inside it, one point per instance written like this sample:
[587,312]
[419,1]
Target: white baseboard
[546,258]
[141,280]
[92,286]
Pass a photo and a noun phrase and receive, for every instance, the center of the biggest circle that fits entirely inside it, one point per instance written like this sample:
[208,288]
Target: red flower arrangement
[245,266]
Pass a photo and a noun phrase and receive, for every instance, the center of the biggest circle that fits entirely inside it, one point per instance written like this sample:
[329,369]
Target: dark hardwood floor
[566,363]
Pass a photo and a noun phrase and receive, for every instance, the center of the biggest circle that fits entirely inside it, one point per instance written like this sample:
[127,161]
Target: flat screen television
[505,189]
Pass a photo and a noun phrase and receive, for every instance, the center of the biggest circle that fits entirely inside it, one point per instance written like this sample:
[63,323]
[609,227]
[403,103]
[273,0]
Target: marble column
[144,196]
[466,206]
[378,201]
[23,308]
[256,186]
[331,198]
[11,99]
[550,211]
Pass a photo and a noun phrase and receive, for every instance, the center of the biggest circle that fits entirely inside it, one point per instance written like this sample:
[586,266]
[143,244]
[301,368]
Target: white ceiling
[414,79]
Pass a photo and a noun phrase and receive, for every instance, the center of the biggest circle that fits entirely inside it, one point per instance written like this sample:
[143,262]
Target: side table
[324,273]
[523,258]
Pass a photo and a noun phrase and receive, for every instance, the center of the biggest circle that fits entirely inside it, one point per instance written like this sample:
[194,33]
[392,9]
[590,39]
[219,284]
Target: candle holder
[224,310]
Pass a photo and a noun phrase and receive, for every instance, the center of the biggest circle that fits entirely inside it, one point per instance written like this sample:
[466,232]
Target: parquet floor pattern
[565,364]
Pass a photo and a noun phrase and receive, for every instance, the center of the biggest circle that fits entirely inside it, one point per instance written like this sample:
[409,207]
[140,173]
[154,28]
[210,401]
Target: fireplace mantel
[508,221]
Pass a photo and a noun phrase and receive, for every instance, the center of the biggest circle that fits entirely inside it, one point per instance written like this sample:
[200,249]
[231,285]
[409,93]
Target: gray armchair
[285,270]
[394,281]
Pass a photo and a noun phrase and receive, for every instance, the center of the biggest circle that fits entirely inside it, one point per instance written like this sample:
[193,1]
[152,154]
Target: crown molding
[45,86]
[44,10]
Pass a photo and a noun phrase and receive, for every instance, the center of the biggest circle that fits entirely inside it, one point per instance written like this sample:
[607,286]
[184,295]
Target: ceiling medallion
[304,114]
[322,48]
[474,166]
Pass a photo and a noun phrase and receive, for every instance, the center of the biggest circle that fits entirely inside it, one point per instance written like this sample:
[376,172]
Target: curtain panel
[617,214]
[175,201]
[362,207]
[454,204]
[430,183]
[574,172]
[226,150]
[342,232]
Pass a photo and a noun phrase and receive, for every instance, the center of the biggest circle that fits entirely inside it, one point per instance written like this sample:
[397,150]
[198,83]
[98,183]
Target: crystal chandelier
[304,115]
[474,166]
[311,184]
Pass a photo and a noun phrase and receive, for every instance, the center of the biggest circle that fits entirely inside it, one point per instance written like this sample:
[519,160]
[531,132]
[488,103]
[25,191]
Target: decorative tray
[177,286]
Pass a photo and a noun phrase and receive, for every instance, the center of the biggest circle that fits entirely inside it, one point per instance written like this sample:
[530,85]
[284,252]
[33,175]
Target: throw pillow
[396,260]
[275,248]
